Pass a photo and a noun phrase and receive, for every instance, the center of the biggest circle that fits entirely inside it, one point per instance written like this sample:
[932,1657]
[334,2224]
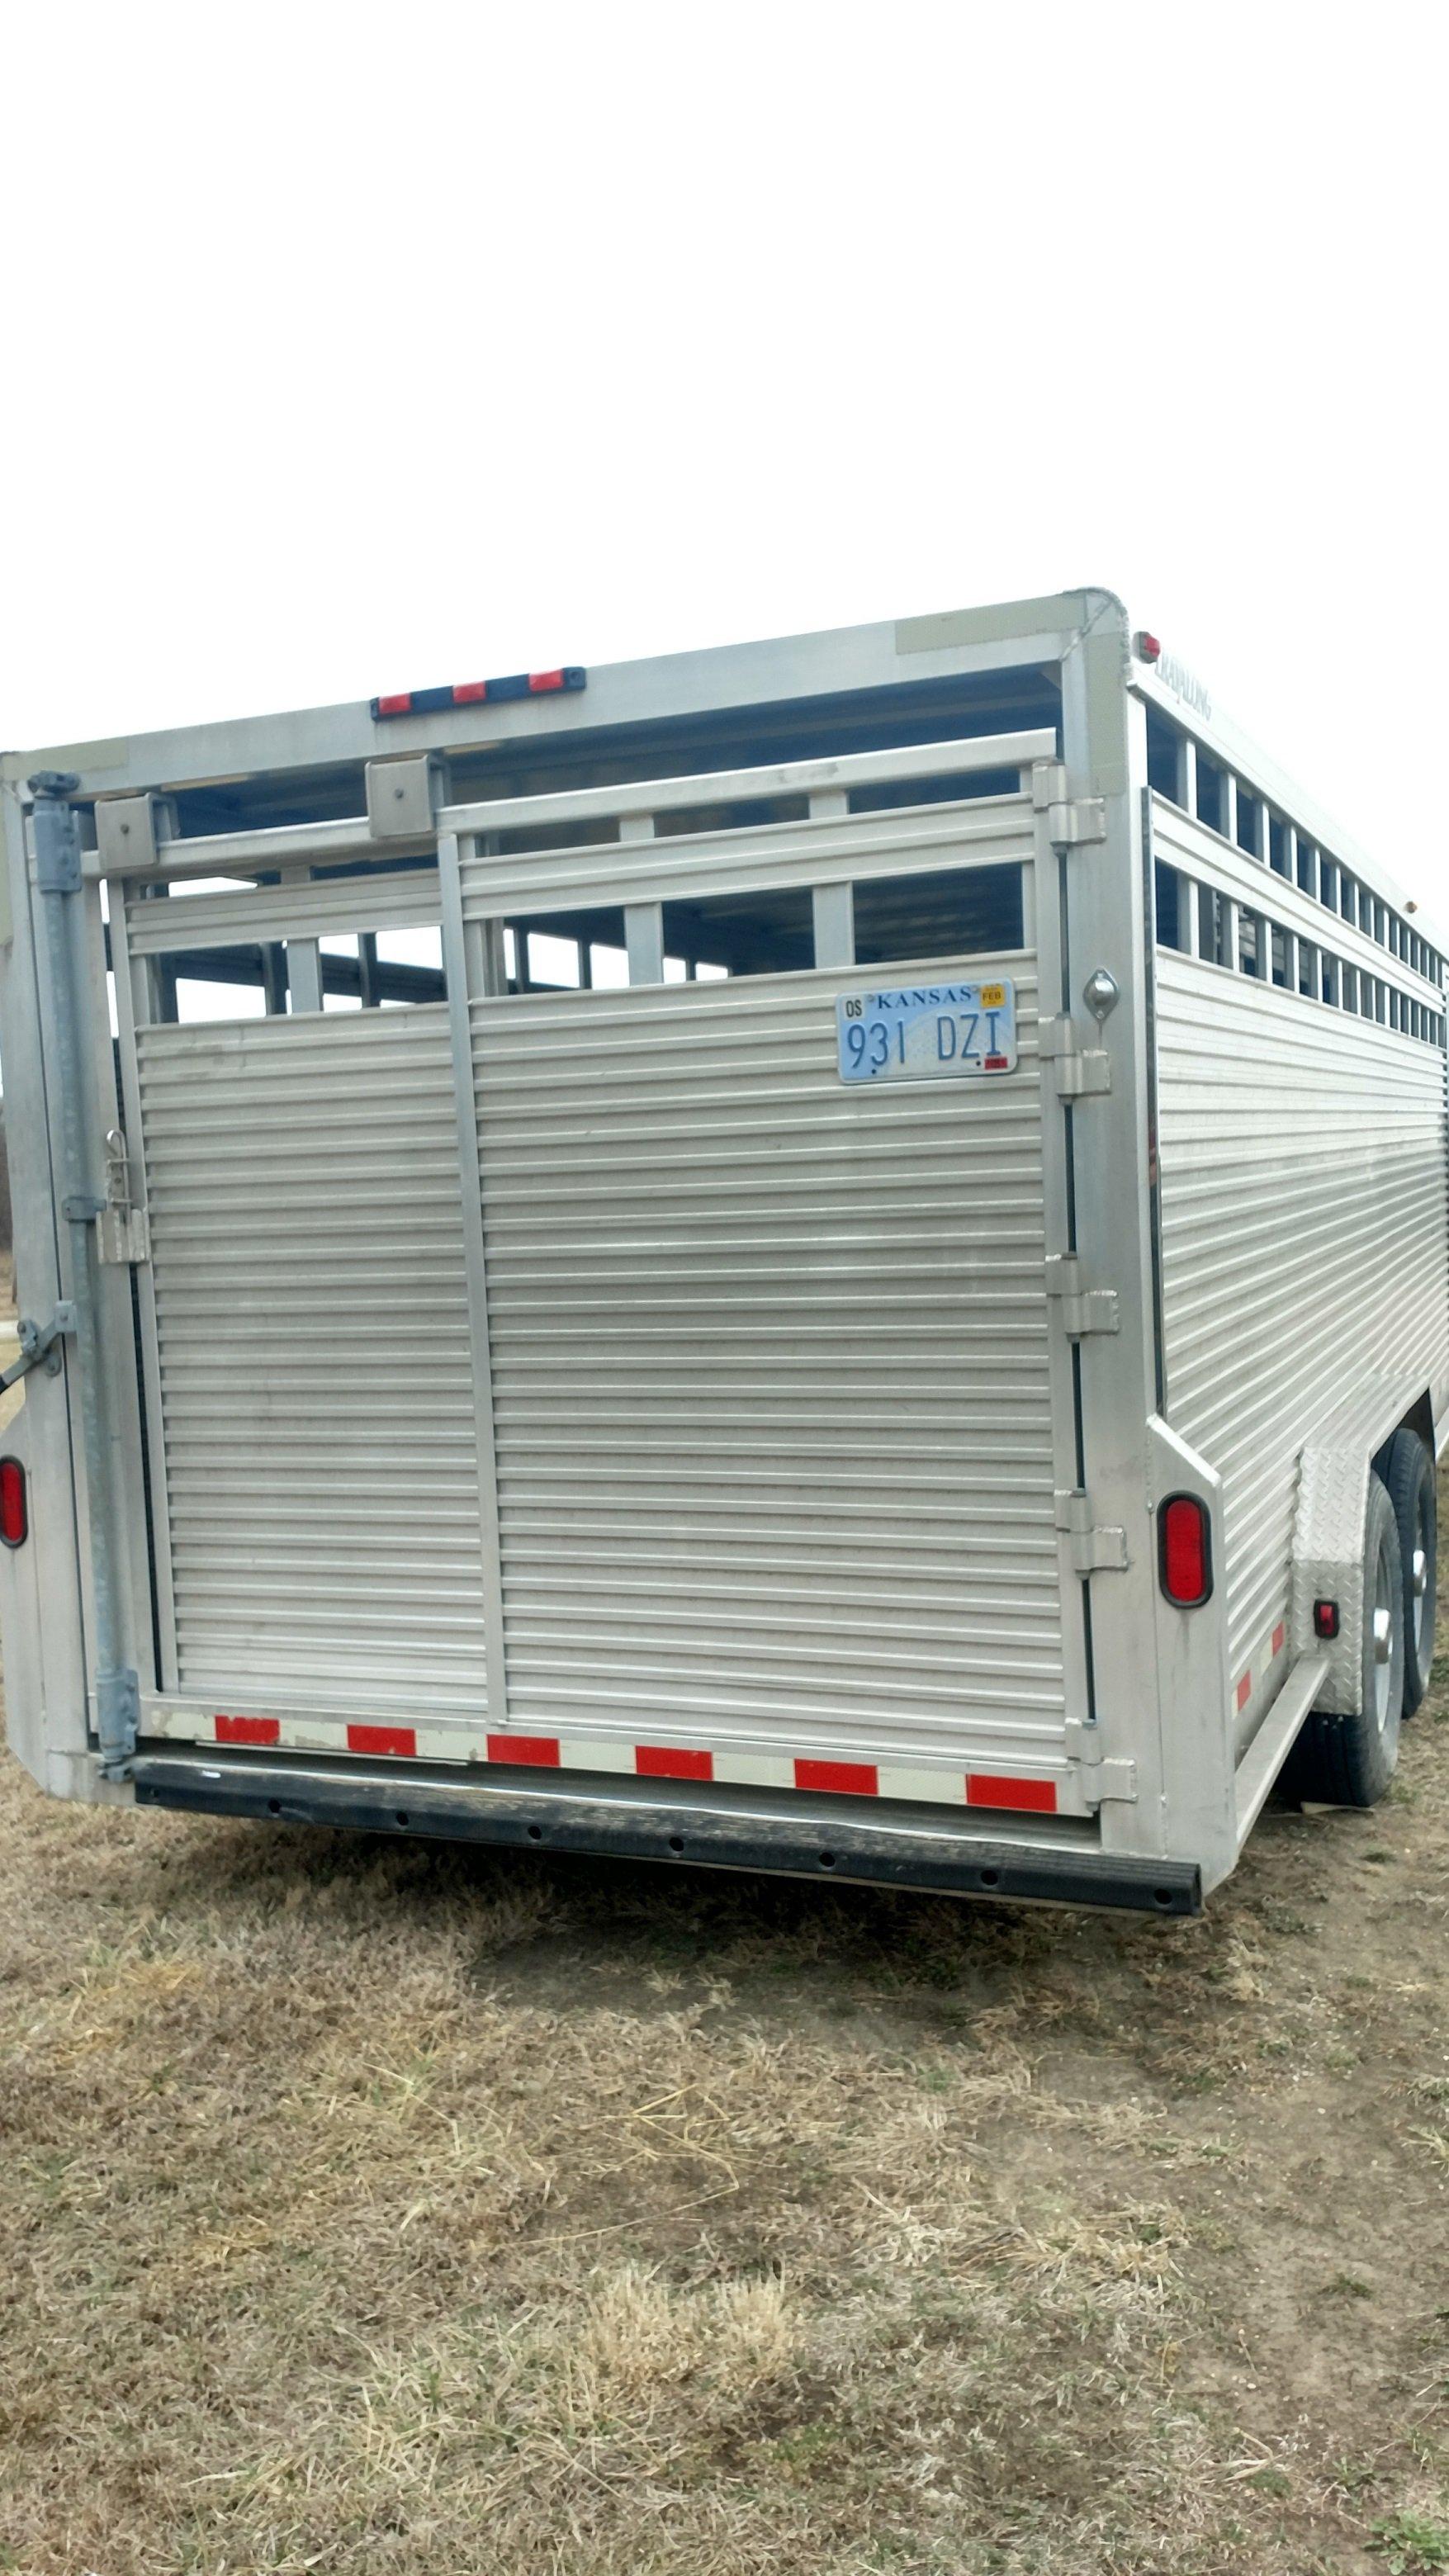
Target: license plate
[926,1032]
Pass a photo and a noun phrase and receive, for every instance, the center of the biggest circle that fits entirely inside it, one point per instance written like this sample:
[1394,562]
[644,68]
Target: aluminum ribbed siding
[1304,1243]
[318,1430]
[769,1378]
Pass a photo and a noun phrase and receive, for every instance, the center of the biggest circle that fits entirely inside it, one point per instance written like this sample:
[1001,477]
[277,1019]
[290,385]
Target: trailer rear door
[614,1362]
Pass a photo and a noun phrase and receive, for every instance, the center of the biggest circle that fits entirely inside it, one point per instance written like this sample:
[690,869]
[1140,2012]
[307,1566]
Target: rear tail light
[14,1507]
[1185,1550]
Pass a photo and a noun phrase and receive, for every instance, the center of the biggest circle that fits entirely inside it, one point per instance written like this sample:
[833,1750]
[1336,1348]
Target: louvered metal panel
[770,1378]
[320,1482]
[1303,1239]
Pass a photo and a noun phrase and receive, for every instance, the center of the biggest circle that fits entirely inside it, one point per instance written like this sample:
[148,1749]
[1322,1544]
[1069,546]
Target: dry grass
[400,2210]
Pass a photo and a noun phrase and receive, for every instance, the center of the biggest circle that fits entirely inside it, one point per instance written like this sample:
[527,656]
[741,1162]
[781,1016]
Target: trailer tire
[1409,1476]
[1349,1761]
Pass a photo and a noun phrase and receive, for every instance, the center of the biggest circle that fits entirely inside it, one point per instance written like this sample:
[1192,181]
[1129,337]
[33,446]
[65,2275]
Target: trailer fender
[1328,1565]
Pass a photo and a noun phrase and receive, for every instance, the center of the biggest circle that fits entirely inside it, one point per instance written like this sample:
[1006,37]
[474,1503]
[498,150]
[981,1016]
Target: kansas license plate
[926,1032]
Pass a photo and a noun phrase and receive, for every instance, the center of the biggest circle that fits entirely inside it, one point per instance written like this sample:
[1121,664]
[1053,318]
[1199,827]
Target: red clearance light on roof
[478,693]
[1185,1559]
[14,1505]
[1146,647]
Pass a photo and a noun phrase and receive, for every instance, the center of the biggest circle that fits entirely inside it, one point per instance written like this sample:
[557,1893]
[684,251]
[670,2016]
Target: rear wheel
[1409,1476]
[1349,1761]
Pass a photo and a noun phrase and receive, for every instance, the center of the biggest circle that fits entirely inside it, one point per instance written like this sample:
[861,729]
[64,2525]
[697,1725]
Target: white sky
[355,348]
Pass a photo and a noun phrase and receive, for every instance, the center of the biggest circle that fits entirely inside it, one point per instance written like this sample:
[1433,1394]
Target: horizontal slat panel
[833,771]
[1179,840]
[317,1396]
[1303,1237]
[235,916]
[770,1377]
[986,831]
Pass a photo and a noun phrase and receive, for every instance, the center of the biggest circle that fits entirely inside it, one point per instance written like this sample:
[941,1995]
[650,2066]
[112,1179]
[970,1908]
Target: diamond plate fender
[1328,1565]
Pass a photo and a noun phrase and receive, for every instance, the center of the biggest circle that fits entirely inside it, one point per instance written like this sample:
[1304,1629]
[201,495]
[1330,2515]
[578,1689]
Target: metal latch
[1100,1779]
[1084,1310]
[122,1230]
[122,1233]
[1082,1073]
[1068,821]
[40,1344]
[1093,1550]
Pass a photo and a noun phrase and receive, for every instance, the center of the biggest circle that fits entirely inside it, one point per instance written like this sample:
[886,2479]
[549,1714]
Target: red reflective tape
[671,1762]
[469,693]
[382,1739]
[1244,1690]
[1034,1797]
[400,705]
[540,680]
[1280,1638]
[539,1750]
[856,1779]
[249,1730]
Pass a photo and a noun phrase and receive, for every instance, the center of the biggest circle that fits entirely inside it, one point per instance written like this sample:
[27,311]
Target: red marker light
[1185,1551]
[477,693]
[1147,647]
[14,1503]
[1325,1620]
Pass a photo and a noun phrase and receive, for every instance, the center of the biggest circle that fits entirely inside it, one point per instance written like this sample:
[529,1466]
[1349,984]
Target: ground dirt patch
[388,2208]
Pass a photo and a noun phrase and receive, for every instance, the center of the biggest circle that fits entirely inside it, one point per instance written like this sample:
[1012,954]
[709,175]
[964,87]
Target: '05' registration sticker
[926,1032]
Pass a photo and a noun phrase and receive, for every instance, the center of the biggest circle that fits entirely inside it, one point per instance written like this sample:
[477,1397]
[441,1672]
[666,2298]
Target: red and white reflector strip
[478,693]
[1244,1686]
[1038,1794]
[14,1503]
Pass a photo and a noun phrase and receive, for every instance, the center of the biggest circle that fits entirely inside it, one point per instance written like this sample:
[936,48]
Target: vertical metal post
[274,978]
[834,908]
[644,939]
[56,828]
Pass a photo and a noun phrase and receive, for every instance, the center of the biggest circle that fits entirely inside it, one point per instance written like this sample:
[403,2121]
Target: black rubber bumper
[609,1819]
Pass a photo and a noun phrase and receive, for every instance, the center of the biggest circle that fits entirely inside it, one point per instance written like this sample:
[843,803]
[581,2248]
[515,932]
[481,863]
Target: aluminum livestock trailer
[826,1257]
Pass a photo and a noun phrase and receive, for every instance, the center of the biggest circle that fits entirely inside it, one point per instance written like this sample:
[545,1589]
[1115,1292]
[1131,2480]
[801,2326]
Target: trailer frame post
[55,827]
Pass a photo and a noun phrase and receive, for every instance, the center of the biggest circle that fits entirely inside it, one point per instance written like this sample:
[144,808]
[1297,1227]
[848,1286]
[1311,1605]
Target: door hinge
[1081,1073]
[1069,820]
[1084,1310]
[1101,1777]
[1093,1550]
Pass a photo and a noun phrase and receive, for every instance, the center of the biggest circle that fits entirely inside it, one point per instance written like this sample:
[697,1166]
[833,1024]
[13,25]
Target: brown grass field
[413,2211]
